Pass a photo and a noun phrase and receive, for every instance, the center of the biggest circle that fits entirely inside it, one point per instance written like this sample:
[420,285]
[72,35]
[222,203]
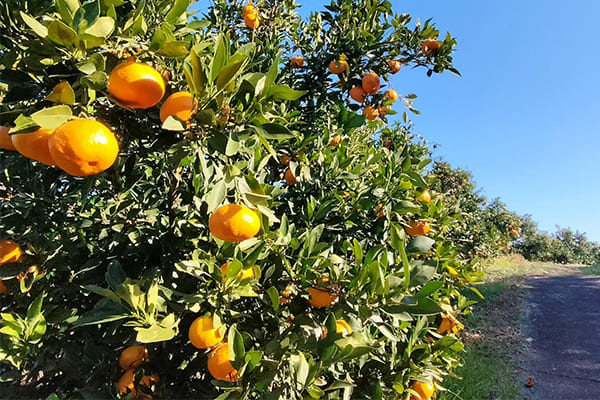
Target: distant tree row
[488,229]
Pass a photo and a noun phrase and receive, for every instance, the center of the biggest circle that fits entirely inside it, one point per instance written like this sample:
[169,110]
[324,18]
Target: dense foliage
[126,256]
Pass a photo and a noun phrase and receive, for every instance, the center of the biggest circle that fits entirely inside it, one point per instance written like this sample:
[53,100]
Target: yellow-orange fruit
[297,62]
[136,85]
[181,105]
[83,147]
[289,177]
[391,95]
[34,145]
[429,45]
[203,334]
[133,357]
[338,67]
[371,83]
[320,297]
[234,223]
[418,228]
[371,113]
[285,160]
[10,252]
[3,288]
[394,66]
[5,140]
[358,94]
[335,141]
[127,385]
[425,196]
[219,365]
[424,389]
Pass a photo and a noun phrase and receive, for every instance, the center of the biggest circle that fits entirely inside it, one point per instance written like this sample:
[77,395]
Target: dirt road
[563,326]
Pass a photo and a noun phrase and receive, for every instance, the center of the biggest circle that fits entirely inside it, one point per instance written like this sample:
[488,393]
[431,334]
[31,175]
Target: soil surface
[563,329]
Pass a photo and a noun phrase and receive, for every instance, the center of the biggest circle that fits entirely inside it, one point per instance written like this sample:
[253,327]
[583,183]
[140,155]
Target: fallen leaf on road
[529,382]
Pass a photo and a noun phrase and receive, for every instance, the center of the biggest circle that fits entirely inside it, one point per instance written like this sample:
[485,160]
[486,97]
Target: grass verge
[493,338]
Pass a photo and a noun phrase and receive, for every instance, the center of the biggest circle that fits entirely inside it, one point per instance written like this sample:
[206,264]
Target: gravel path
[563,327]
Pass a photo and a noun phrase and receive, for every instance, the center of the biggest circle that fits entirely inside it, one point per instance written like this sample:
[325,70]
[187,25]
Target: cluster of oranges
[371,84]
[80,147]
[130,359]
[83,147]
[203,334]
[250,15]
[419,228]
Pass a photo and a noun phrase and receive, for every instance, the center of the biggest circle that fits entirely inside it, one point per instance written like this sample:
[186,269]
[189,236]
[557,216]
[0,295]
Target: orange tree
[482,229]
[208,189]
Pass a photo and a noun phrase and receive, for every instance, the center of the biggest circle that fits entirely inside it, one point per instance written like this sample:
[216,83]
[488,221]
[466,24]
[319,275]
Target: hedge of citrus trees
[218,206]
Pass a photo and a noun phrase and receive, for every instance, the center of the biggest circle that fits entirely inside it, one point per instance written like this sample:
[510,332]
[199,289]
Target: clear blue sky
[524,116]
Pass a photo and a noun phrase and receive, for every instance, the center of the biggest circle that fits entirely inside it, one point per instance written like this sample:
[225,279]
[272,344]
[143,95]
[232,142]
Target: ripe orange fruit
[335,141]
[5,139]
[338,67]
[83,147]
[252,21]
[418,228]
[203,333]
[34,145]
[297,62]
[371,83]
[514,232]
[371,113]
[320,297]
[285,159]
[3,288]
[133,356]
[126,383]
[424,389]
[181,105]
[289,177]
[425,196]
[10,252]
[136,85]
[219,365]
[391,95]
[234,223]
[358,94]
[244,274]
[430,45]
[394,66]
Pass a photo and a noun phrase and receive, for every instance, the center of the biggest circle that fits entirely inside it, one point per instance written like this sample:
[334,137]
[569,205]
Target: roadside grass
[591,270]
[493,338]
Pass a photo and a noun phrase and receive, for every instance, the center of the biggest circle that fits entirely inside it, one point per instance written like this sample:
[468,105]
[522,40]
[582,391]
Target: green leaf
[274,131]
[155,333]
[102,28]
[228,73]
[61,34]
[175,49]
[86,16]
[67,9]
[216,196]
[96,80]
[282,92]
[37,27]
[53,117]
[115,276]
[236,348]
[218,60]
[300,368]
[419,244]
[424,306]
[422,272]
[35,308]
[274,296]
[104,311]
[172,123]
[429,288]
[272,74]
[62,94]
[177,11]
